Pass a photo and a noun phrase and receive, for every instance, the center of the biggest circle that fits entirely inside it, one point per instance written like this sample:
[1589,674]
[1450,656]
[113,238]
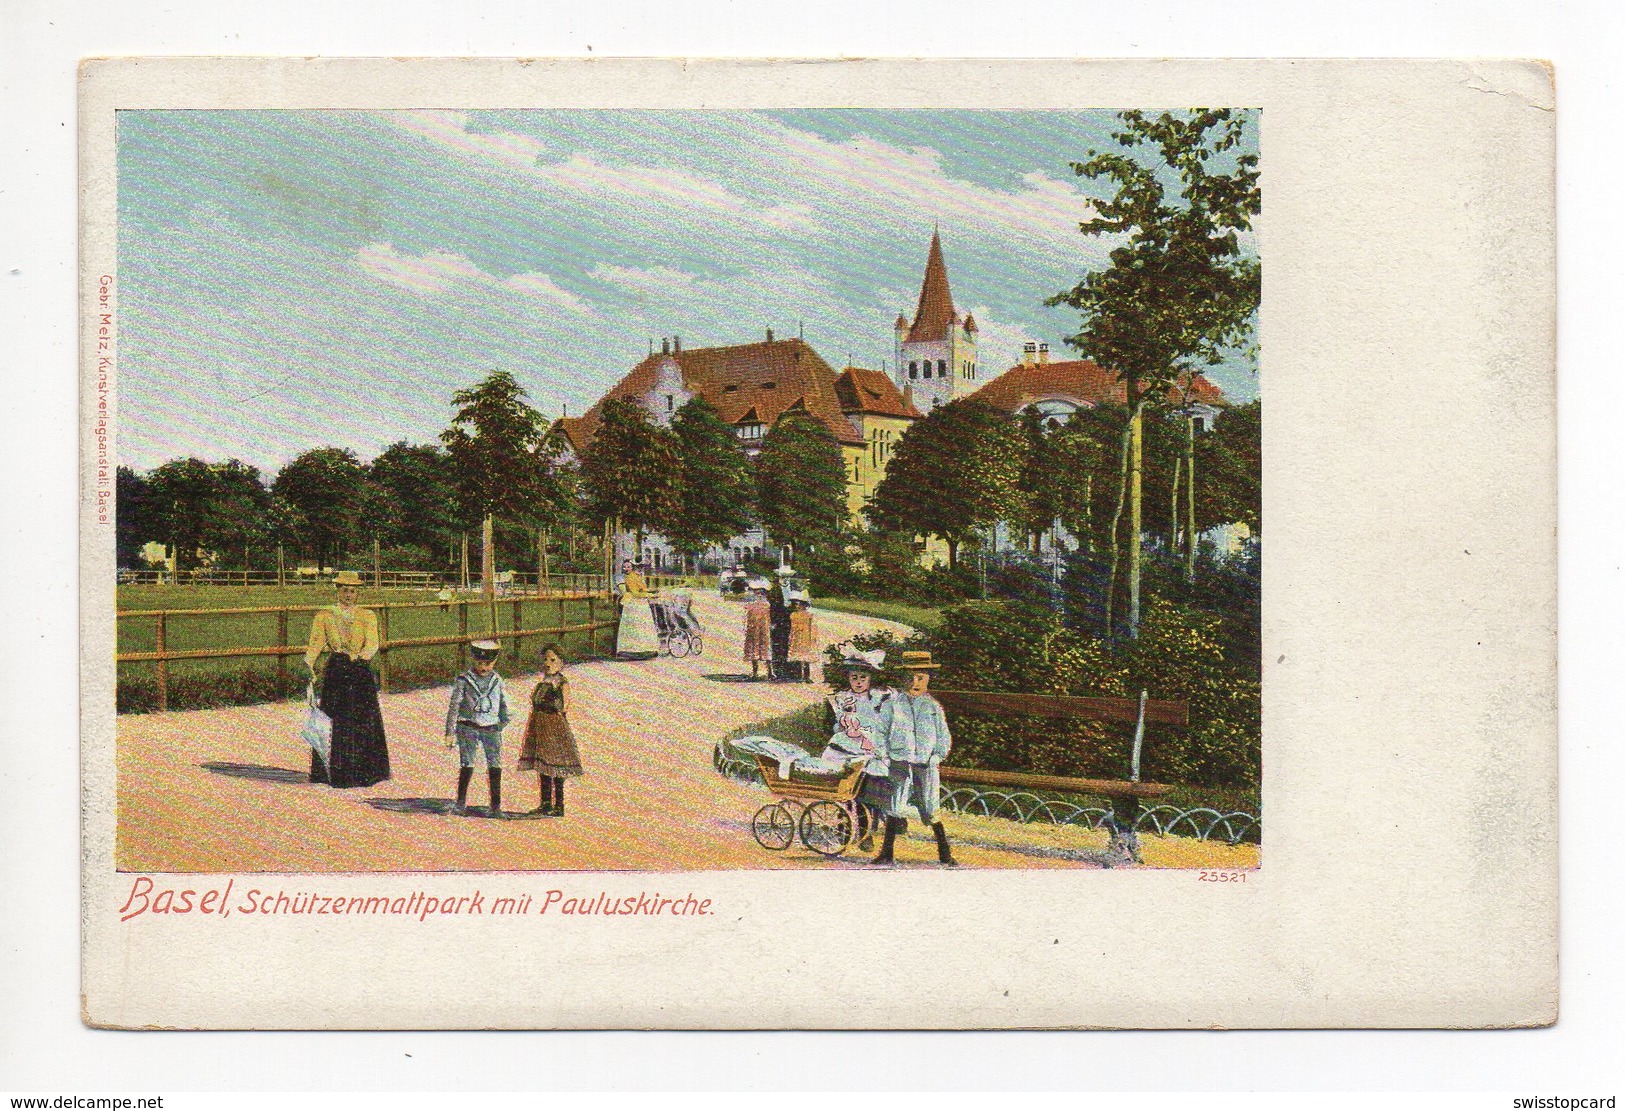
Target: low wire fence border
[1202,823]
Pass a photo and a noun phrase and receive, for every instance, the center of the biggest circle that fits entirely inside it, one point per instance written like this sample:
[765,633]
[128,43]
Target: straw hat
[347,578]
[917,661]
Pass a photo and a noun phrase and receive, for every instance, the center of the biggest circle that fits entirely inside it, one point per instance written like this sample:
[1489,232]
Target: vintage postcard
[680,544]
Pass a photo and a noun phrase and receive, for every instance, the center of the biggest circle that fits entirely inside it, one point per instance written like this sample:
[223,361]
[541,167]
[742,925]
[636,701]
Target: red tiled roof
[934,315]
[861,390]
[1081,380]
[758,381]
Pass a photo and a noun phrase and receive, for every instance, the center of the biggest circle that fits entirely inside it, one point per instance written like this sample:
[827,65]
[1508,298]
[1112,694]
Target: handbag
[317,730]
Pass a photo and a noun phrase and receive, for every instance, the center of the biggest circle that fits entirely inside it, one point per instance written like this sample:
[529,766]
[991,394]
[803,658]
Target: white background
[43,1047]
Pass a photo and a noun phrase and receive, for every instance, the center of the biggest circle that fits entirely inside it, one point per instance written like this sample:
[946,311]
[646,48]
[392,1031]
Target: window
[927,368]
[942,368]
[750,431]
[769,385]
[1199,424]
[668,403]
[913,370]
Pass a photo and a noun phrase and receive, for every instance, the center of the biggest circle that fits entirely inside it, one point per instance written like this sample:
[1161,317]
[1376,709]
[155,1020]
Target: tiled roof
[934,315]
[755,380]
[861,390]
[1081,380]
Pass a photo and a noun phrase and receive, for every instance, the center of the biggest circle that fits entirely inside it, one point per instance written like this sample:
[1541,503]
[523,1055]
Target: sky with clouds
[294,279]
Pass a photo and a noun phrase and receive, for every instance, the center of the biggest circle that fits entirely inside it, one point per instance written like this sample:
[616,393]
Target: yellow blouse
[635,586]
[354,633]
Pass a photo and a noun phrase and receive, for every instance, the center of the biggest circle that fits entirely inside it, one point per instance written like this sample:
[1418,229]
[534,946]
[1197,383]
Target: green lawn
[920,617]
[195,684]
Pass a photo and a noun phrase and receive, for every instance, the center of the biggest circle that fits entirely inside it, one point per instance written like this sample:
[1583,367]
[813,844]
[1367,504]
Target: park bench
[1125,794]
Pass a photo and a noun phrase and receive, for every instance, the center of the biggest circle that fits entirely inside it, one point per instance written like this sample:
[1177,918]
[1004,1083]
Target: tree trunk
[1136,453]
[1173,510]
[953,552]
[488,573]
[1117,517]
[1089,512]
[1190,499]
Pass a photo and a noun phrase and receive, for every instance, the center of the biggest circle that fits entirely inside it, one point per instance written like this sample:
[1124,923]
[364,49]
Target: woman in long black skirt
[348,635]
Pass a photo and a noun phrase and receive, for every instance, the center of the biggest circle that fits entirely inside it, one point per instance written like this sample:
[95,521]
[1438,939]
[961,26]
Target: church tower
[936,353]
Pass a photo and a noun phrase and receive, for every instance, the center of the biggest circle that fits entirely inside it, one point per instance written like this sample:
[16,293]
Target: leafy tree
[326,490]
[502,462]
[630,471]
[236,520]
[1083,456]
[1041,482]
[1179,290]
[957,470]
[132,526]
[416,500]
[1231,458]
[801,482]
[177,496]
[717,492]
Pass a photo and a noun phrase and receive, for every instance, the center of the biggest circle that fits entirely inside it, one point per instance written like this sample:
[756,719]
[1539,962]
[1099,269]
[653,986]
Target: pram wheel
[677,647]
[773,827]
[698,643]
[826,828]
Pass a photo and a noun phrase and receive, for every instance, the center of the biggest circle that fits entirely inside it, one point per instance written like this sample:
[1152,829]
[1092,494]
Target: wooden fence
[388,580]
[283,649]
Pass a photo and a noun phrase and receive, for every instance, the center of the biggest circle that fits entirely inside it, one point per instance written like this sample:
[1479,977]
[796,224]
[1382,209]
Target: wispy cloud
[450,131]
[439,272]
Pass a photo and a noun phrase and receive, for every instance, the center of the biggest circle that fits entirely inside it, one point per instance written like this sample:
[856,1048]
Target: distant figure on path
[800,649]
[758,633]
[348,636]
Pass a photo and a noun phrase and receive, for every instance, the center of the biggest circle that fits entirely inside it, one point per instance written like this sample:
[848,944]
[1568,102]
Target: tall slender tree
[955,472]
[325,488]
[1180,288]
[630,472]
[801,482]
[717,490]
[178,495]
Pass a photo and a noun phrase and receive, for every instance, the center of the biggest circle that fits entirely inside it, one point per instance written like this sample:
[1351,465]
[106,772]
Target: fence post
[281,642]
[517,625]
[383,649]
[592,626]
[163,667]
[462,631]
[281,573]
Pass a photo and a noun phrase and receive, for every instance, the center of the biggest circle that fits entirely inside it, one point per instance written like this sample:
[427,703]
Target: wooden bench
[1125,794]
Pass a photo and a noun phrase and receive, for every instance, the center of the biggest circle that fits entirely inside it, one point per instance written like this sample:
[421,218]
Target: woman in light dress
[635,637]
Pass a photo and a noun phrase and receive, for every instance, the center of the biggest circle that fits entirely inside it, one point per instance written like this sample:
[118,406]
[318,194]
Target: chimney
[1043,354]
[1029,354]
[770,335]
[676,345]
[665,346]
[908,395]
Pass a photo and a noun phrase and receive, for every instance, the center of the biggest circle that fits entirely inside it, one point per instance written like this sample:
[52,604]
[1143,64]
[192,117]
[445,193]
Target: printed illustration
[687,490]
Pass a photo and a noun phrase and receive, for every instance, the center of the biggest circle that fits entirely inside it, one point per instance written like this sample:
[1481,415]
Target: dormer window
[770,385]
[750,431]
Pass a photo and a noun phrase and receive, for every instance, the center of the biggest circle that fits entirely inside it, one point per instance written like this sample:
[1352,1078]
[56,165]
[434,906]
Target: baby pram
[678,630]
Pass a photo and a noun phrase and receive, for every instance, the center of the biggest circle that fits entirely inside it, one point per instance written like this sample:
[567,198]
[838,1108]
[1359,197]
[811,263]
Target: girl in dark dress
[550,747]
[348,635]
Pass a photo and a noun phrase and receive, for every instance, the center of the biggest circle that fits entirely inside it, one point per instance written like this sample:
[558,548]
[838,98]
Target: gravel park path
[226,790]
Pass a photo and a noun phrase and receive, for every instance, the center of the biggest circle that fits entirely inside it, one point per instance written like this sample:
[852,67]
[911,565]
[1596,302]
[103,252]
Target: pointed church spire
[934,315]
